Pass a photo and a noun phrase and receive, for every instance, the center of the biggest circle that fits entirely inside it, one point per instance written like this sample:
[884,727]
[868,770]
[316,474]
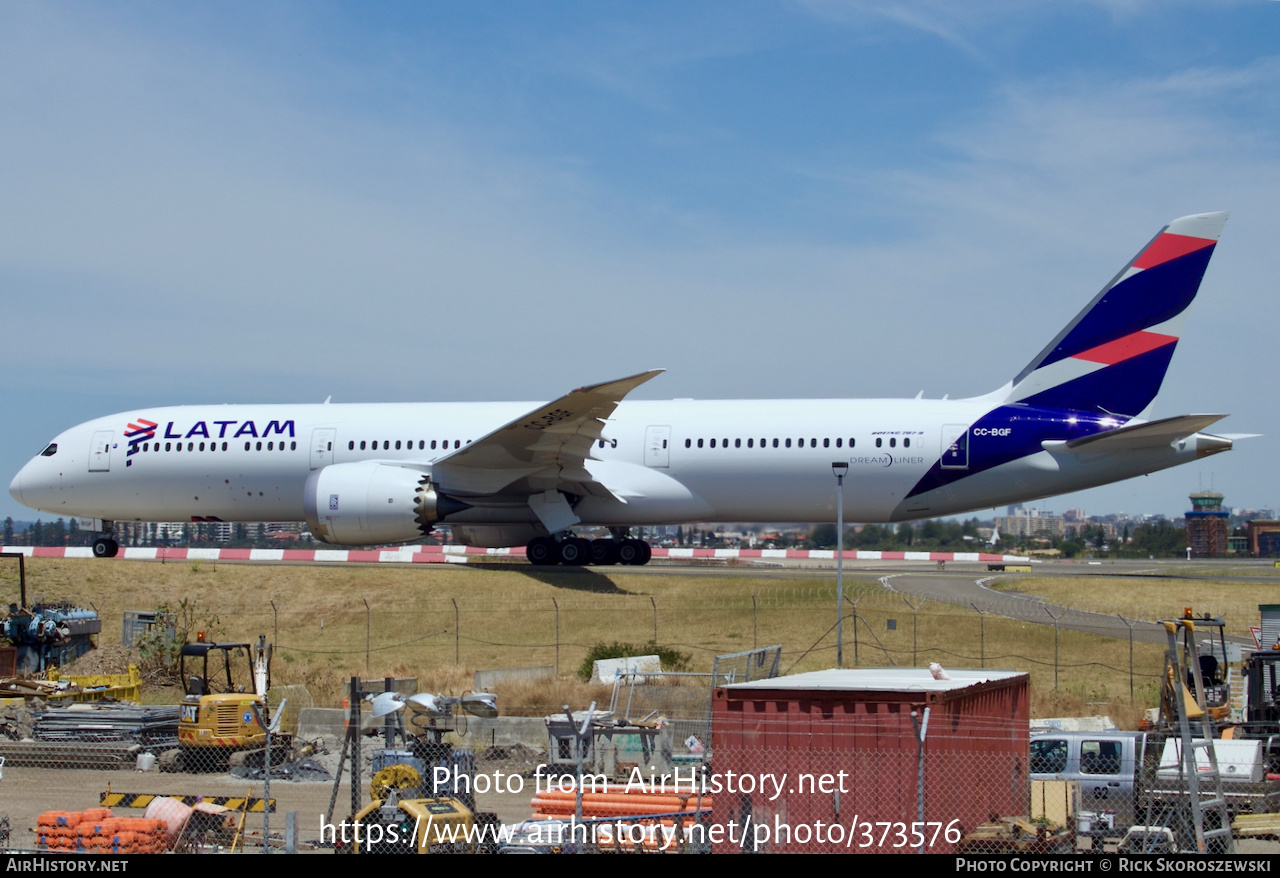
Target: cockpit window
[50,451]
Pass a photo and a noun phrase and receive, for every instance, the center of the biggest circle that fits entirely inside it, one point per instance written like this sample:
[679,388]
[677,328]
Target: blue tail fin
[1113,356]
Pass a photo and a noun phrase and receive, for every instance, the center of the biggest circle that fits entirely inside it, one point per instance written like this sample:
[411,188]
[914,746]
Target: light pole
[839,468]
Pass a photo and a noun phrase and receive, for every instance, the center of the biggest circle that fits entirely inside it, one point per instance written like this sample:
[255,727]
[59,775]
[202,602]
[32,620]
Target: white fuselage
[665,462]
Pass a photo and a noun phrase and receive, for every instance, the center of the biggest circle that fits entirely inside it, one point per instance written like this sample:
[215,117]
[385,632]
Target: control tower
[1207,527]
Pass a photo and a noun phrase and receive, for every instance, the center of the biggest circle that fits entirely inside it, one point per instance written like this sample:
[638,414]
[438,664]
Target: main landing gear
[104,546]
[574,551]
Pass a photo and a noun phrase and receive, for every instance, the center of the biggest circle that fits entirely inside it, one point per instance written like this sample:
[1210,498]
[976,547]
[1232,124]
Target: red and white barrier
[462,554]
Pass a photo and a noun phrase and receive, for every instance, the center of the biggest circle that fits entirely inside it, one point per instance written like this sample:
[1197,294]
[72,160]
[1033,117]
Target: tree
[822,536]
[1159,539]
[1070,548]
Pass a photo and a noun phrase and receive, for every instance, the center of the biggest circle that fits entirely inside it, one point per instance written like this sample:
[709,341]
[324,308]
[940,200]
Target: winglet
[622,386]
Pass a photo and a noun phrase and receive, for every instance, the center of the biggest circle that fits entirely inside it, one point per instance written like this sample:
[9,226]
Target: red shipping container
[833,761]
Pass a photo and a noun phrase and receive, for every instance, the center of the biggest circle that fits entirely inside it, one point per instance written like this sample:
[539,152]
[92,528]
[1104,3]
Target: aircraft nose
[15,487]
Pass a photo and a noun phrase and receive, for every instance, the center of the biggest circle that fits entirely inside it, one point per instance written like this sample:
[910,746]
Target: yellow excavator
[223,715]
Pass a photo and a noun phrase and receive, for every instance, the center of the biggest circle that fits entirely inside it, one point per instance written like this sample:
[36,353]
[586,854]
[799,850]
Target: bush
[159,648]
[672,659]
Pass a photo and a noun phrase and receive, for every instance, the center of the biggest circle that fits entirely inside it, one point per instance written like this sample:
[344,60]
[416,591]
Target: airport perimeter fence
[1121,661]
[862,776]
[442,639]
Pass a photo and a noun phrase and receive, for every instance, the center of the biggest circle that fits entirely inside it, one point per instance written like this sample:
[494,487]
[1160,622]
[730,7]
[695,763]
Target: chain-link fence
[66,760]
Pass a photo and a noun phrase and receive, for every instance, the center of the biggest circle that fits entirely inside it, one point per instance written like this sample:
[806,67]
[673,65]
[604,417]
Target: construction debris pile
[155,727]
[83,735]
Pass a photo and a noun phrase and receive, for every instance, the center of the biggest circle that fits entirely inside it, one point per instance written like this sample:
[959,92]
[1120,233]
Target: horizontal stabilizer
[1152,434]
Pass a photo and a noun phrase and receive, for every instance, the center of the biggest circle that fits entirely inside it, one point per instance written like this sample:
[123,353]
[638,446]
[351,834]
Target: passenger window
[699,443]
[737,443]
[397,445]
[713,443]
[878,441]
[788,443]
[1100,757]
[688,443]
[351,445]
[839,443]
[224,446]
[893,443]
[906,443]
[1048,756]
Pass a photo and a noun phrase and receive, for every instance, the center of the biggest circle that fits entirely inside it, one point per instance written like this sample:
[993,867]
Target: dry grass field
[440,623]
[1231,592]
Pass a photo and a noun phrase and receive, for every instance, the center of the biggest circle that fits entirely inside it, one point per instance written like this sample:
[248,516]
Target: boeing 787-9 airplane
[507,473]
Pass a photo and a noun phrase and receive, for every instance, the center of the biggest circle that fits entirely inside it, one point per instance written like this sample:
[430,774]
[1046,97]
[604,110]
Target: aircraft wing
[1152,434]
[543,451]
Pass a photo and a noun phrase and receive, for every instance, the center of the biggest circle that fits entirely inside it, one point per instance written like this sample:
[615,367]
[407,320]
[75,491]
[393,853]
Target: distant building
[1264,538]
[1207,527]
[1032,523]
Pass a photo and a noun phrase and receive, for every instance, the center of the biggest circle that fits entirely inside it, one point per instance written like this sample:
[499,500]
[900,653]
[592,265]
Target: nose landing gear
[104,546]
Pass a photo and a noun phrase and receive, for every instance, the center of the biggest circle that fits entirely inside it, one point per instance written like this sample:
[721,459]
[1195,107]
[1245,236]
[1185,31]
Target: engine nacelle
[371,503]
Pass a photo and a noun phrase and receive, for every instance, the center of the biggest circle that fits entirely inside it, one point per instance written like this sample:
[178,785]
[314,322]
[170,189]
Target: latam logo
[143,431]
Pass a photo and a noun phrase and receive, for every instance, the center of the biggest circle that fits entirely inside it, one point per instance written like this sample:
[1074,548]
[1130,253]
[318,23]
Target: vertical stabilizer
[1113,356]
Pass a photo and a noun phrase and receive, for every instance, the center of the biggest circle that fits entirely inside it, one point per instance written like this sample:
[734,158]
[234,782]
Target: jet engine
[372,503]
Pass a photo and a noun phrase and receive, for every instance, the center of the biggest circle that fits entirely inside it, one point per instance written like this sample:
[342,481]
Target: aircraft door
[955,446]
[656,450]
[100,451]
[322,439]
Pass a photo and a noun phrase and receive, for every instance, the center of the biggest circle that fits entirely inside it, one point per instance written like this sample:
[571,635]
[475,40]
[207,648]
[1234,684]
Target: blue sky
[423,201]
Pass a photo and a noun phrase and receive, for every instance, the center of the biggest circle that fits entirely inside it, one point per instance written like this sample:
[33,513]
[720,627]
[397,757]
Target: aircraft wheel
[575,552]
[604,552]
[633,552]
[541,552]
[646,552]
[104,547]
